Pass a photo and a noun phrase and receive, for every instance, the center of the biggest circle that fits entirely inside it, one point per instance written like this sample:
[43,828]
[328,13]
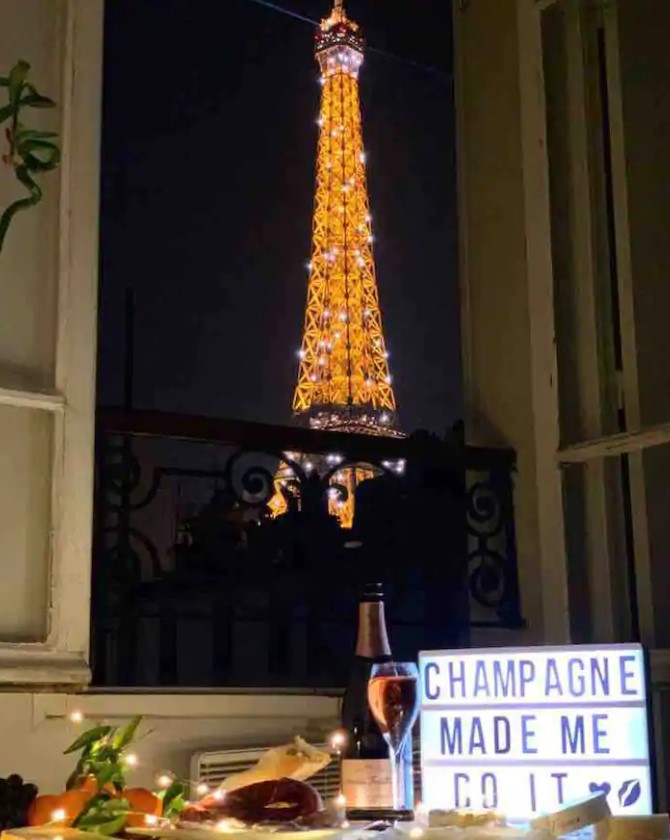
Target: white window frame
[592,451]
[551,456]
[62,658]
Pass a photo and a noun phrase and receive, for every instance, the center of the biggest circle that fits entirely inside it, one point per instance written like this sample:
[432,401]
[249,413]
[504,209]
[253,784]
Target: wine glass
[394,701]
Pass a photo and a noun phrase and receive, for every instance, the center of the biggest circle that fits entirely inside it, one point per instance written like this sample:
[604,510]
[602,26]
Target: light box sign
[524,730]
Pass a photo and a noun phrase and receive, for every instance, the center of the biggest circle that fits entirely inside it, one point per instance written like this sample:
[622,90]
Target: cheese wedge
[297,760]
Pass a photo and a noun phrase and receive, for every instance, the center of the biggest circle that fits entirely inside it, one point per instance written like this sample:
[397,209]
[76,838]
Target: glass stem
[396,780]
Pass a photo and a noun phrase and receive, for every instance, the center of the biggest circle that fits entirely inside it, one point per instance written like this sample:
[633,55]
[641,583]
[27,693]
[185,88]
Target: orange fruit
[41,809]
[46,809]
[89,785]
[142,802]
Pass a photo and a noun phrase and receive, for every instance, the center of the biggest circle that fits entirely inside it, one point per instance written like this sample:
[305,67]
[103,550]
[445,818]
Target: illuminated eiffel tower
[344,382]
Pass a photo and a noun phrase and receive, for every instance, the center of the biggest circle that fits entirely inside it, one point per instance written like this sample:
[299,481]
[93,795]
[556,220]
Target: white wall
[35,728]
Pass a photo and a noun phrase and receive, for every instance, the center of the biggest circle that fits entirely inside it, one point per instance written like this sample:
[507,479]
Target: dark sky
[209,141]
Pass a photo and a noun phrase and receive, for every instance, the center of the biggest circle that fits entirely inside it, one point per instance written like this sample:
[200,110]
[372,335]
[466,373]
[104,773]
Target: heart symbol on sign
[602,787]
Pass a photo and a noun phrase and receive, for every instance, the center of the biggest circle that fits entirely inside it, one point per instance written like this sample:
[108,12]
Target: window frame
[552,455]
[62,658]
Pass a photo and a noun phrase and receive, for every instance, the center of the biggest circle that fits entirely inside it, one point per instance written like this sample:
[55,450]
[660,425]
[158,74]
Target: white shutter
[48,289]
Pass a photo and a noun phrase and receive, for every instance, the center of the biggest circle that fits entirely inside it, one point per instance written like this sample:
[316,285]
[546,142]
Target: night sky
[209,143]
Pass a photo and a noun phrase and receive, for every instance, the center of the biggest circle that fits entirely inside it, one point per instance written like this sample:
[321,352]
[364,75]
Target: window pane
[28,269]
[584,276]
[645,70]
[25,509]
[656,463]
[599,558]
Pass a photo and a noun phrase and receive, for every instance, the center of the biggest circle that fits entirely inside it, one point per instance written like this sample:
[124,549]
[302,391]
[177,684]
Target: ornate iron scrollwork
[229,562]
[492,571]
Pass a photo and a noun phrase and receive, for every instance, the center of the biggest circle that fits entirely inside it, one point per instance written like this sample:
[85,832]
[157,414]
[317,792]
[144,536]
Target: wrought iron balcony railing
[195,583]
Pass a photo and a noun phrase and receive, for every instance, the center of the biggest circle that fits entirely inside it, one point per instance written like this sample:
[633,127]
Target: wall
[494,290]
[35,728]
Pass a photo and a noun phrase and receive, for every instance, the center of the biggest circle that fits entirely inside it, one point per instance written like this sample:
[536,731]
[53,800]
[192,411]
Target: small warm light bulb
[338,740]
[416,832]
[340,800]
[164,781]
[58,815]
[150,819]
[130,759]
[219,795]
[76,716]
[345,824]
[203,789]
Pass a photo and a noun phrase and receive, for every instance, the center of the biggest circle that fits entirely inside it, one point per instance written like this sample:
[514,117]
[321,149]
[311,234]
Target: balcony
[195,584]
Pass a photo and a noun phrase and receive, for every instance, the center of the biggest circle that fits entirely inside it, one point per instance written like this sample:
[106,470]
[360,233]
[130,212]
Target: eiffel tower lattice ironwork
[344,381]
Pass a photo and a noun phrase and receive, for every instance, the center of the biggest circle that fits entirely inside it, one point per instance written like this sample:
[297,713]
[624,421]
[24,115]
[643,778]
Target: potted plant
[29,153]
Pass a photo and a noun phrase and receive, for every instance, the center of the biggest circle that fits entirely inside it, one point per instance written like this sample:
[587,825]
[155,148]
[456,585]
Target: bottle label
[367,783]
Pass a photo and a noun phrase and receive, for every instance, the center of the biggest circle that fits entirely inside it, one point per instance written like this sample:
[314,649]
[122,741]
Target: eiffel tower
[344,382]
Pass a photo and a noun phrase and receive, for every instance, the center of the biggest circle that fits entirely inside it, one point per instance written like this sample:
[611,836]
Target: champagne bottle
[366,768]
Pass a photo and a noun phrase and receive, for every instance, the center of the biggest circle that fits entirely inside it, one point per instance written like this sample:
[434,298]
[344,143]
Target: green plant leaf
[36,164]
[107,774]
[107,826]
[23,133]
[17,76]
[115,806]
[76,774]
[87,738]
[4,81]
[34,100]
[5,112]
[175,807]
[172,798]
[125,736]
